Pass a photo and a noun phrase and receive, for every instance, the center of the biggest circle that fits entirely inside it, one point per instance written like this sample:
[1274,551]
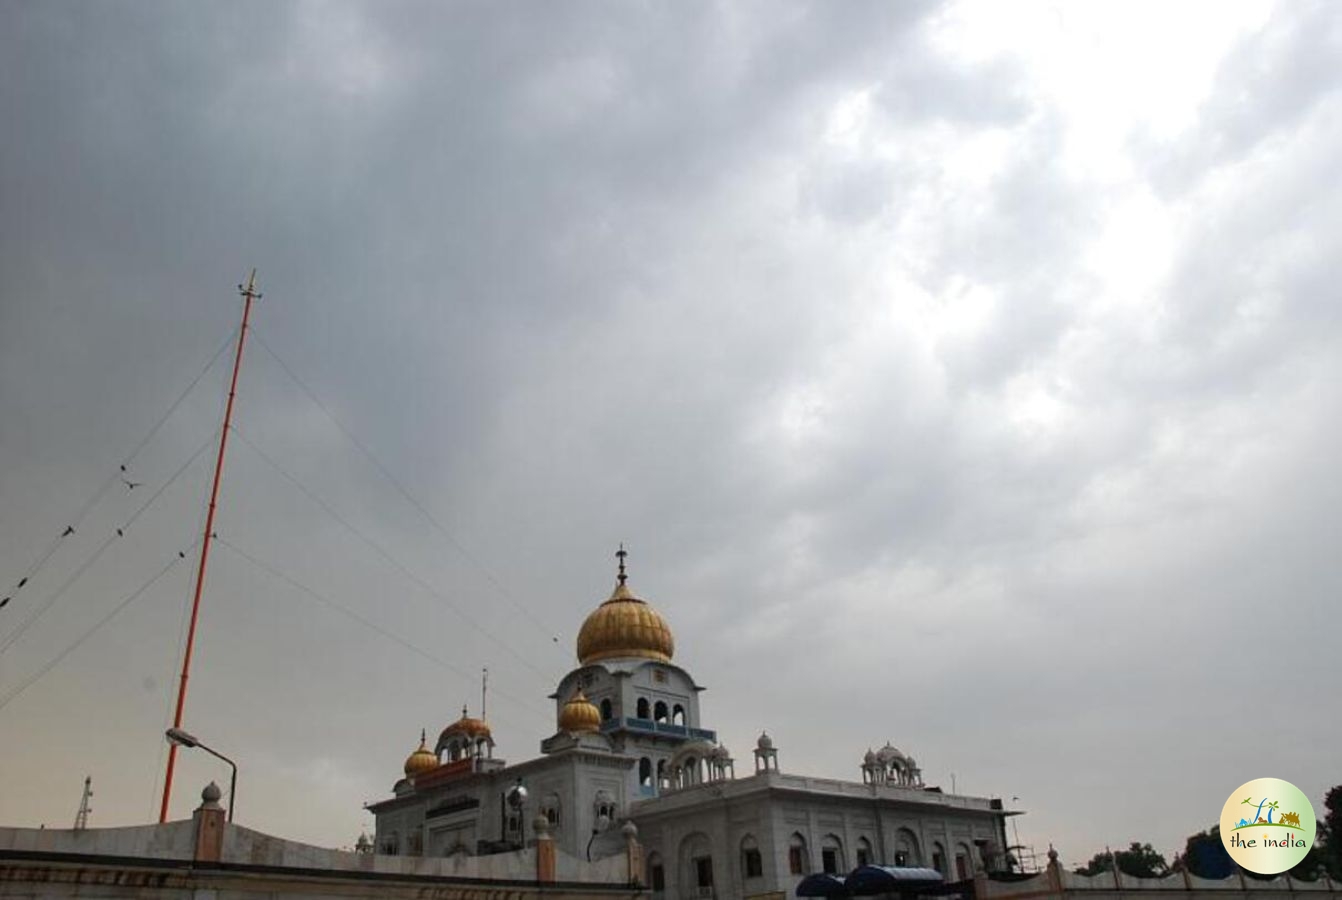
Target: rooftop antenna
[484,692]
[249,295]
[82,817]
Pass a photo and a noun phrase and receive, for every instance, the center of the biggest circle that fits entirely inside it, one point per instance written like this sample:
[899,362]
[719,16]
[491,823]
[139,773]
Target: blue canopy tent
[866,881]
[869,881]
[822,884]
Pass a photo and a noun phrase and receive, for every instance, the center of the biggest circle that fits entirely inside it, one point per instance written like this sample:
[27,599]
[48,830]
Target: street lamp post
[602,823]
[515,799]
[1020,851]
[185,739]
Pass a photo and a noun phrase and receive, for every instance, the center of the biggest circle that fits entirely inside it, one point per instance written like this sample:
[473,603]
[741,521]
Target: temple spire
[621,554]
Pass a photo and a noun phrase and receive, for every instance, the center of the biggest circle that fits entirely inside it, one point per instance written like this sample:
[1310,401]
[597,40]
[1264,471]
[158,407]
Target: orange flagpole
[249,293]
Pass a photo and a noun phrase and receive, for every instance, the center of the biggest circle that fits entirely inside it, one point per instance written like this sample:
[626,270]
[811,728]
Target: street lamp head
[181,738]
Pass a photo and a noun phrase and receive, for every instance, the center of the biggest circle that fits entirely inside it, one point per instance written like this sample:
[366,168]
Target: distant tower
[82,817]
[766,755]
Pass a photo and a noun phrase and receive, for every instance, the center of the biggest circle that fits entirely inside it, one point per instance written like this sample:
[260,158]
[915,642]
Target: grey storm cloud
[927,414]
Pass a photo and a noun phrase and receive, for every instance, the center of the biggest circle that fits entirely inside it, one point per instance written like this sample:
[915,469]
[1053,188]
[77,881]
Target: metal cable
[28,682]
[404,492]
[39,611]
[383,552]
[367,623]
[111,479]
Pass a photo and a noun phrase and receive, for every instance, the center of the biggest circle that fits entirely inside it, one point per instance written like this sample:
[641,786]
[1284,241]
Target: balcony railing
[648,725]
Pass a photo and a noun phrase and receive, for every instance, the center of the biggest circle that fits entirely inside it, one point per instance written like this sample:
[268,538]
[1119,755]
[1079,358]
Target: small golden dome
[422,760]
[472,728]
[579,715]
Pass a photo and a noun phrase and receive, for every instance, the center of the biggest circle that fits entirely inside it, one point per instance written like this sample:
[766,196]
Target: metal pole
[250,294]
[232,781]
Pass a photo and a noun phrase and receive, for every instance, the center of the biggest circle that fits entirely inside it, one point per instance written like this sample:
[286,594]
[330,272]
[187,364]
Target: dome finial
[621,554]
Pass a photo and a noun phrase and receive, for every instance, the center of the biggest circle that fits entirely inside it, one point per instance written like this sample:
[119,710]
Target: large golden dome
[624,626]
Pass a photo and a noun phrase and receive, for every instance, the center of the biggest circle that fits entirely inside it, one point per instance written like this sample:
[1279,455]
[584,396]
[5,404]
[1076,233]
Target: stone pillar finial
[209,820]
[1054,870]
[633,853]
[545,850]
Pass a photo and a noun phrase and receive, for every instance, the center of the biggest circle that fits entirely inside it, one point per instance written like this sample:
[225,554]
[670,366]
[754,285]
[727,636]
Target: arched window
[863,851]
[644,711]
[645,772]
[752,864]
[678,714]
[906,849]
[391,844]
[695,865]
[831,855]
[605,710]
[964,862]
[797,861]
[550,809]
[604,805]
[939,859]
[659,712]
[656,874]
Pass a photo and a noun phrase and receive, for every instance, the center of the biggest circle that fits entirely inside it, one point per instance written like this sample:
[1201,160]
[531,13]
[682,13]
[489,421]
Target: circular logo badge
[1267,825]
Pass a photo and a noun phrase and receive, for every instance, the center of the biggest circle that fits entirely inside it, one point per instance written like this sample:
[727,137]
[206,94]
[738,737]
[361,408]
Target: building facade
[630,747]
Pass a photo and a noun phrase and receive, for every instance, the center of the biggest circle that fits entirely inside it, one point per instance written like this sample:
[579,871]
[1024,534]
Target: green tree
[1205,856]
[1329,837]
[1311,867]
[1139,861]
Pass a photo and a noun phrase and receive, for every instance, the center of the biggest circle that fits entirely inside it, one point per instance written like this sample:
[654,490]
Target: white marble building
[629,746]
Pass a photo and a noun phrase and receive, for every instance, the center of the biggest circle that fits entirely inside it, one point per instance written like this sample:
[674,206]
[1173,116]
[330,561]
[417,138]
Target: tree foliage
[1329,838]
[1138,861]
[1205,856]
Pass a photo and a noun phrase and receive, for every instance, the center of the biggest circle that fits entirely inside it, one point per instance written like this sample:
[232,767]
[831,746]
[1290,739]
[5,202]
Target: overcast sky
[961,375]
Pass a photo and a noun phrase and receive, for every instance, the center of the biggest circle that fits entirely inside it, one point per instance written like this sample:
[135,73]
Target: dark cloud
[914,436]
